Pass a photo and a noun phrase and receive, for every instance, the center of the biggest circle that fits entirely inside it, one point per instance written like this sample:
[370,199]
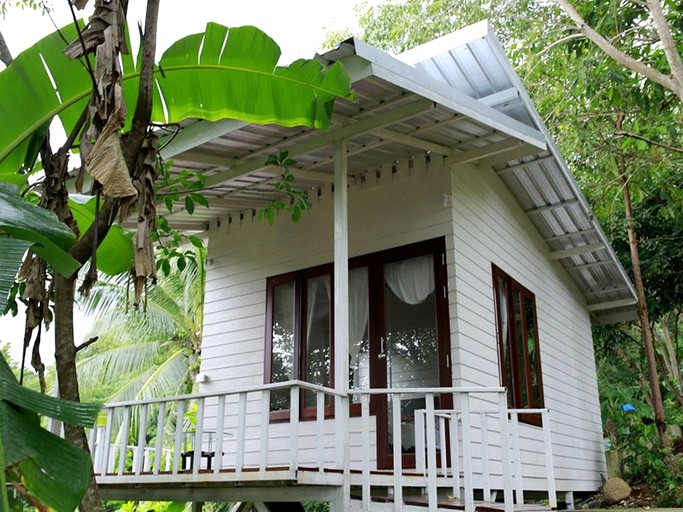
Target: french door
[406,343]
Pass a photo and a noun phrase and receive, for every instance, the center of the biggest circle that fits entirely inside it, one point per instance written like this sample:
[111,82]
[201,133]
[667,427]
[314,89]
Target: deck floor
[446,503]
[211,486]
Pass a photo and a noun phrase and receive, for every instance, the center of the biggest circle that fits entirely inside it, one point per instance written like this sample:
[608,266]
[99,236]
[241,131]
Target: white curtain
[502,296]
[411,280]
[313,285]
[359,309]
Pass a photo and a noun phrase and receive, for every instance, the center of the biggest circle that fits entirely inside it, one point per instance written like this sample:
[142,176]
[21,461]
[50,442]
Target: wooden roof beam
[551,207]
[316,142]
[576,251]
[613,304]
[487,151]
[415,142]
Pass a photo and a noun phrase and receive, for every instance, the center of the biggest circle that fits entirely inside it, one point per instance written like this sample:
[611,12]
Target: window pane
[532,349]
[504,333]
[318,326]
[282,366]
[409,345]
[359,345]
[520,381]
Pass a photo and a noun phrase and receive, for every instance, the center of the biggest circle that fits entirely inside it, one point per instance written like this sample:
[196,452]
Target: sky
[298,26]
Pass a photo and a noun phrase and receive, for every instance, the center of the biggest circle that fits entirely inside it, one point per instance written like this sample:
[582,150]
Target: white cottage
[421,339]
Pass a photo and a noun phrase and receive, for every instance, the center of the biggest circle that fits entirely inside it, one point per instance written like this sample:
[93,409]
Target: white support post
[124,439]
[569,499]
[180,416]
[420,462]
[442,449]
[467,453]
[220,422]
[365,434]
[397,452]
[484,430]
[92,443]
[517,454]
[505,452]
[241,430]
[455,454]
[138,459]
[431,453]
[320,427]
[265,424]
[341,312]
[549,465]
[102,445]
[198,437]
[294,428]
[159,446]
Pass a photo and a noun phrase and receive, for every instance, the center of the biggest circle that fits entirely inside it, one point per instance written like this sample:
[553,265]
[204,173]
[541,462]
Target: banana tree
[41,467]
[220,73]
[46,470]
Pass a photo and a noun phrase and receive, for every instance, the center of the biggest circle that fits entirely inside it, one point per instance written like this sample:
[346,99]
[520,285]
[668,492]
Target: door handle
[382,353]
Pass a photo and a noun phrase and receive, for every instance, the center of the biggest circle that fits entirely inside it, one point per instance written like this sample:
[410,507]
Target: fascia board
[398,73]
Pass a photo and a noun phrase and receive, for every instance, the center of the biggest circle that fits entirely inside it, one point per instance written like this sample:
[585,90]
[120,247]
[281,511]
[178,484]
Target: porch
[227,447]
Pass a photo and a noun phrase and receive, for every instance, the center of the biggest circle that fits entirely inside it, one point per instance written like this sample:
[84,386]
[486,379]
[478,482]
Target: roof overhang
[456,97]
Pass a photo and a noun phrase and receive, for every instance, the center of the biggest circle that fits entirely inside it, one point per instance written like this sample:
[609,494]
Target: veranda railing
[157,438]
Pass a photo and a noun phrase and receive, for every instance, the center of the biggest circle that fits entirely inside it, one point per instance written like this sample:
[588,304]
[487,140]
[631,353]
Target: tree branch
[668,44]
[86,344]
[649,141]
[5,54]
[622,58]
[143,108]
[82,249]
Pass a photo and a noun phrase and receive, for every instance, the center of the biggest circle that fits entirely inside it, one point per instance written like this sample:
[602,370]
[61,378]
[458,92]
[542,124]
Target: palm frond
[110,365]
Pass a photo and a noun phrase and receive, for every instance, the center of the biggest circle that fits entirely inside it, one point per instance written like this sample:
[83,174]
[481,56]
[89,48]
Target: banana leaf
[51,470]
[115,254]
[220,73]
[12,251]
[49,238]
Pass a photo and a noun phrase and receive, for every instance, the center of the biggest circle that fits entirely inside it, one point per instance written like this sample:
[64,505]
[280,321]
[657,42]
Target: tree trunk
[65,358]
[643,316]
[5,55]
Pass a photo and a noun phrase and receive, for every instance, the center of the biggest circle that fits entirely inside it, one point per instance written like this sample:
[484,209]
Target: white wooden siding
[481,224]
[490,227]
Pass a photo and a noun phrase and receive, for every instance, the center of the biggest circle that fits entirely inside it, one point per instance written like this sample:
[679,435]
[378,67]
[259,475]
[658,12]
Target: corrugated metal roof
[456,97]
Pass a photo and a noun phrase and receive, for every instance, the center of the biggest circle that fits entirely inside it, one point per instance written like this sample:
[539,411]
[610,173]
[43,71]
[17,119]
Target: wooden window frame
[373,261]
[519,381]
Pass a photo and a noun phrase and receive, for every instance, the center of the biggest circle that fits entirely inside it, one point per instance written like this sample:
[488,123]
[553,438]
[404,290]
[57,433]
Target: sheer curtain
[411,280]
[359,313]
[318,350]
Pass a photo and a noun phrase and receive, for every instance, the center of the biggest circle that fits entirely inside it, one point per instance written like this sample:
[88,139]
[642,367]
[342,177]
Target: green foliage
[317,506]
[220,73]
[115,253]
[23,4]
[293,200]
[50,469]
[30,225]
[144,354]
[634,434]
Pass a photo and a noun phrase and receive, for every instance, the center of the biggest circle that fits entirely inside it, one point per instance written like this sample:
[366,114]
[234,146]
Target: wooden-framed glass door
[410,340]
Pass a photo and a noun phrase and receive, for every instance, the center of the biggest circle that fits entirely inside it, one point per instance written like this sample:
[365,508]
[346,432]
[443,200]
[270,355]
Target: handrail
[248,389]
[437,390]
[308,386]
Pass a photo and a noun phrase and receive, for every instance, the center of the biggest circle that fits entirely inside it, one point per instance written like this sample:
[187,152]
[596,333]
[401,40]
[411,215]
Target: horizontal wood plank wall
[490,227]
[388,207]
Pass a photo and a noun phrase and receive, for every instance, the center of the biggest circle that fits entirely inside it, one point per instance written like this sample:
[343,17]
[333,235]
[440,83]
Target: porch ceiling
[456,98]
